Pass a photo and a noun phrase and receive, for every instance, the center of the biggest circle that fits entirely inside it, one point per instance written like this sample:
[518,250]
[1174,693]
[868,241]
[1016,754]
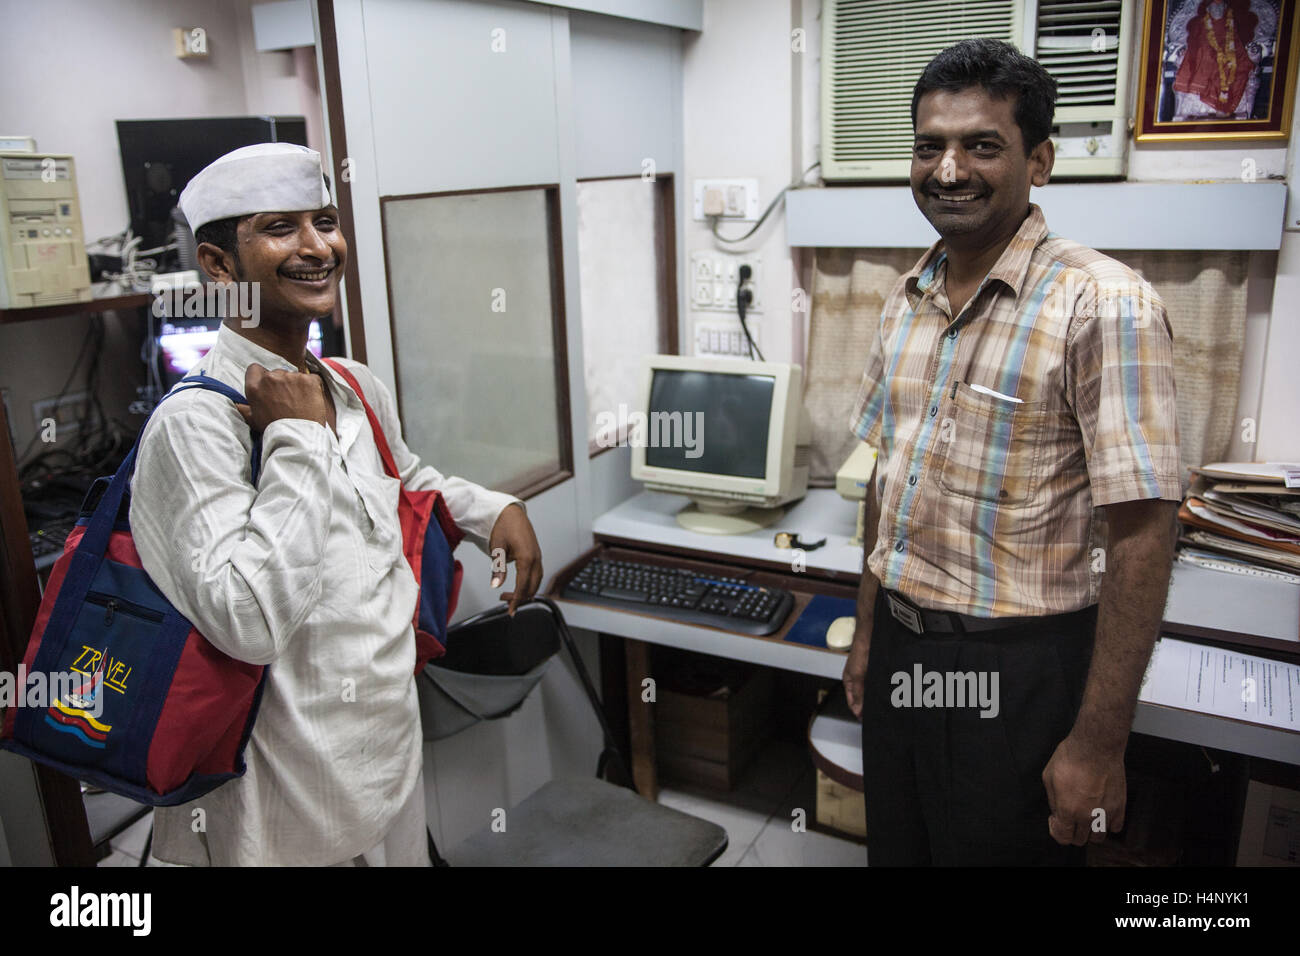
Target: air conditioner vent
[873,52]
[879,48]
[1078,43]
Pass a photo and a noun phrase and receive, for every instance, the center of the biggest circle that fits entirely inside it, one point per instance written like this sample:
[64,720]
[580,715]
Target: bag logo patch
[78,715]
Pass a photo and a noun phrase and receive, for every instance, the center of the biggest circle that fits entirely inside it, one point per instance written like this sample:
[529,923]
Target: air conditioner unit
[873,52]
[1088,49]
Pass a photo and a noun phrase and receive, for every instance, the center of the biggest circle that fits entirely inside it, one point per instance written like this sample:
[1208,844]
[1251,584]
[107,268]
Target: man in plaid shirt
[1020,391]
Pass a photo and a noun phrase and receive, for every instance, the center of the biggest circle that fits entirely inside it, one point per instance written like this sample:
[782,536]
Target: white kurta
[304,573]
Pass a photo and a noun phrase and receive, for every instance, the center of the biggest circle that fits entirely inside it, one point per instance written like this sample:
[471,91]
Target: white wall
[737,108]
[751,110]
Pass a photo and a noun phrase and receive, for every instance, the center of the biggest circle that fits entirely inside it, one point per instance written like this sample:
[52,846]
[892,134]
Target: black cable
[85,342]
[91,405]
[743,298]
[99,442]
[100,439]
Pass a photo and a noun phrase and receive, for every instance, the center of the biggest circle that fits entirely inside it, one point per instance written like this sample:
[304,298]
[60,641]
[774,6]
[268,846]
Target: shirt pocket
[990,448]
[377,496]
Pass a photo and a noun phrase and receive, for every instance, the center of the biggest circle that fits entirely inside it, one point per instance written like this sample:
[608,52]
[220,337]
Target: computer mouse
[840,634]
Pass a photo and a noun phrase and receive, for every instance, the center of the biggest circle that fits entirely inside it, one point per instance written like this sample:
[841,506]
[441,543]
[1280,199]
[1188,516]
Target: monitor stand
[741,521]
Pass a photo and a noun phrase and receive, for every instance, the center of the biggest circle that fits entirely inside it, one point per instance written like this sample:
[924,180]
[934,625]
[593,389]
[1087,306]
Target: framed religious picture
[1217,70]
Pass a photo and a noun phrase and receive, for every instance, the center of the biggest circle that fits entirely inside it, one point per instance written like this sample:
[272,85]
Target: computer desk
[1204,606]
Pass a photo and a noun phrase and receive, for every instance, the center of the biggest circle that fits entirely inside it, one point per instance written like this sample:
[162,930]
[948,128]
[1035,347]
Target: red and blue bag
[429,536]
[148,709]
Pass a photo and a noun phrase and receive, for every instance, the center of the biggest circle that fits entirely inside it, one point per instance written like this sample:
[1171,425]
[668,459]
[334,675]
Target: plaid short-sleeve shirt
[1001,431]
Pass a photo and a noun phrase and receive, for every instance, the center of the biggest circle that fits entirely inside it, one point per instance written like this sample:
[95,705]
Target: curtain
[1204,294]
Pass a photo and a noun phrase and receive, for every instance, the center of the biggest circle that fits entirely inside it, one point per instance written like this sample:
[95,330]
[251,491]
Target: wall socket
[714,276]
[67,412]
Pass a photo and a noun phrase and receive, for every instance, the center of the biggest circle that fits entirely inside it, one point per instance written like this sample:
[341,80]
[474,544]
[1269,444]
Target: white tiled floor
[758,817]
[129,844]
[759,814]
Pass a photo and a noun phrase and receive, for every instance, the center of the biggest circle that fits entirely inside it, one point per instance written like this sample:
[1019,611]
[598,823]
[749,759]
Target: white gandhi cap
[267,177]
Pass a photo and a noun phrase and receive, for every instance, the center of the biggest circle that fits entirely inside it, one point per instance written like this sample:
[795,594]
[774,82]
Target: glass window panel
[472,290]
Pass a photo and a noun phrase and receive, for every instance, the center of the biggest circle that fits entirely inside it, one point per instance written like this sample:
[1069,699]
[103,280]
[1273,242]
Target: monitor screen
[728,428]
[160,156]
[183,344]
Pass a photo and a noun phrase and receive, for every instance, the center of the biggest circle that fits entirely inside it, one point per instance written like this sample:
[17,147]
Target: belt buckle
[906,615]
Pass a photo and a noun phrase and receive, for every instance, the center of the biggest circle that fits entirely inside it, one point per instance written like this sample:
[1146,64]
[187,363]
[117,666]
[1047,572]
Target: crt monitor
[730,434]
[182,344]
[160,156]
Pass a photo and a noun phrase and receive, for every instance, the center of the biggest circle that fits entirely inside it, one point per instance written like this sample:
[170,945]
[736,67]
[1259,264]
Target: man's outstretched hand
[513,537]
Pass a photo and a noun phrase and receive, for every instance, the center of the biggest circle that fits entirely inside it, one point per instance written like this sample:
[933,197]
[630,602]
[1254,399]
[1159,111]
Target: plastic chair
[491,665]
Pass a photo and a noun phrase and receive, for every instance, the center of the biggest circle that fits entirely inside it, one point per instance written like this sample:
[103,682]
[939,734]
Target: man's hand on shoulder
[277,394]
[513,539]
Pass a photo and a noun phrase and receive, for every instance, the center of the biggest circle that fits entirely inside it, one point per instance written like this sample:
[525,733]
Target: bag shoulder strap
[448,524]
[208,383]
[94,541]
[381,441]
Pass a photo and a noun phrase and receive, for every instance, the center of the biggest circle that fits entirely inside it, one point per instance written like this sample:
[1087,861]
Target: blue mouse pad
[811,627]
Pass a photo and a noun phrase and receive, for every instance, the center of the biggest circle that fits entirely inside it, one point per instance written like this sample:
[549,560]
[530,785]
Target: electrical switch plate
[723,337]
[739,198]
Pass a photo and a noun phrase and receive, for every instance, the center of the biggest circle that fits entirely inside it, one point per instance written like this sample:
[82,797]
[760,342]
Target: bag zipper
[113,604]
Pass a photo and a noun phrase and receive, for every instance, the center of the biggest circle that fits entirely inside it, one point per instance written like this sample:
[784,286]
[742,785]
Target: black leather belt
[918,620]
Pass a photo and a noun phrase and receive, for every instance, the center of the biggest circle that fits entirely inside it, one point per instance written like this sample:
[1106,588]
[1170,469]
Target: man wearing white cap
[303,571]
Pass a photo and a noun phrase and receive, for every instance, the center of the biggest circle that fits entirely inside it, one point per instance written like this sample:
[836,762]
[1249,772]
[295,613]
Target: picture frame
[1204,79]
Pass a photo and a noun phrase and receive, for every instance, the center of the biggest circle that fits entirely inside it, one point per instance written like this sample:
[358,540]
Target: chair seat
[581,821]
[108,814]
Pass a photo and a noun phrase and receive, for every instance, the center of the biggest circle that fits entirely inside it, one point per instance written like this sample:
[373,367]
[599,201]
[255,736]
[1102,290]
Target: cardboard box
[708,730]
[1270,827]
[840,808]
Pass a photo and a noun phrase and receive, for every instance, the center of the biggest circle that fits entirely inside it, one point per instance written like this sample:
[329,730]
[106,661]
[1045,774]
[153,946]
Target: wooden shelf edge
[135,300]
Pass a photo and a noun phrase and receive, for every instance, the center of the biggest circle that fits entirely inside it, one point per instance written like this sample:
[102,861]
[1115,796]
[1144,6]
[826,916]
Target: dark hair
[223,234]
[1003,71]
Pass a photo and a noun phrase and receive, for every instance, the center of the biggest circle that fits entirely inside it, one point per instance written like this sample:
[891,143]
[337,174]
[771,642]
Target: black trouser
[947,786]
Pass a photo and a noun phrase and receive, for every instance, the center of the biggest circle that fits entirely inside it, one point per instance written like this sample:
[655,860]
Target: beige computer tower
[42,248]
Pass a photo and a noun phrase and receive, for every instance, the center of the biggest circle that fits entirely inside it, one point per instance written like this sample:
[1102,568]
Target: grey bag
[492,663]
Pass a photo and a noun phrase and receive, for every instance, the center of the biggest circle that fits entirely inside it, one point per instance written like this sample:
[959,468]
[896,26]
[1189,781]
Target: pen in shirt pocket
[985,390]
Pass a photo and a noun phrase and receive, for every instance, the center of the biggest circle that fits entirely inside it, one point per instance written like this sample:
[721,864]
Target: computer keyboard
[47,542]
[693,597]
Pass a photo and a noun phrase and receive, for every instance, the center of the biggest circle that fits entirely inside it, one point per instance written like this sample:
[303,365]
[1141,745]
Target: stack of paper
[1224,683]
[1243,516]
